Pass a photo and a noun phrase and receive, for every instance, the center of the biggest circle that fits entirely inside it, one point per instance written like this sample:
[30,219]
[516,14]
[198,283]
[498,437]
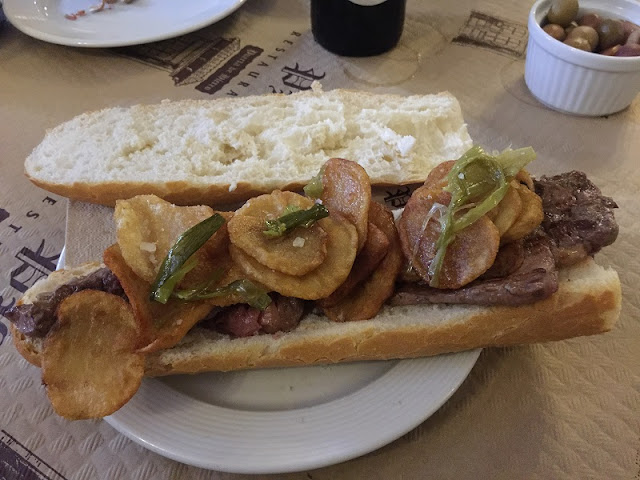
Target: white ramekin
[573,81]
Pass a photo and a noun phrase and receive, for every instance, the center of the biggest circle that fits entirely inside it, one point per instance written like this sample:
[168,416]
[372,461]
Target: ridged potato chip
[89,365]
[346,189]
[342,244]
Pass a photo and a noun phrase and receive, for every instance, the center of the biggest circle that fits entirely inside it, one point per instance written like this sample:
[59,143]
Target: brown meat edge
[563,315]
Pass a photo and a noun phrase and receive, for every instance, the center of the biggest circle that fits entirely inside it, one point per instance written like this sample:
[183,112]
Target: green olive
[570,28]
[590,20]
[555,30]
[587,33]
[611,33]
[563,12]
[579,43]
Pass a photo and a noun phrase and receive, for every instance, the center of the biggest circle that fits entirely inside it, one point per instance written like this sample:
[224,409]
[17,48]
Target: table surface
[561,410]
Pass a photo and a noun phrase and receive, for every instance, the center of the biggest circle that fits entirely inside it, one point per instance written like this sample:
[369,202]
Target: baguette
[587,302]
[228,150]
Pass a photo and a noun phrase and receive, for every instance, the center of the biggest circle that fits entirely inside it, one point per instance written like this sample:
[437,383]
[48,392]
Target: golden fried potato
[524,177]
[147,227]
[468,256]
[367,299]
[508,210]
[367,260]
[89,365]
[437,177]
[530,218]
[161,325]
[346,189]
[296,253]
[342,244]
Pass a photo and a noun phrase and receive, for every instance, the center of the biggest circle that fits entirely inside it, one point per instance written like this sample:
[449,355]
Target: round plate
[123,24]
[290,419]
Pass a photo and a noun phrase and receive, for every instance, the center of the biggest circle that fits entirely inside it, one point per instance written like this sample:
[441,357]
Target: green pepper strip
[248,291]
[492,186]
[172,269]
[192,293]
[299,218]
[314,188]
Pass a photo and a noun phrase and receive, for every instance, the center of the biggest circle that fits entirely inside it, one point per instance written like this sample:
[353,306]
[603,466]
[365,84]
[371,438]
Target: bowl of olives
[584,59]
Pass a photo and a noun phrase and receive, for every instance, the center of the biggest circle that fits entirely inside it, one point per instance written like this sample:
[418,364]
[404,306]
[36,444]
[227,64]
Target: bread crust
[29,348]
[178,193]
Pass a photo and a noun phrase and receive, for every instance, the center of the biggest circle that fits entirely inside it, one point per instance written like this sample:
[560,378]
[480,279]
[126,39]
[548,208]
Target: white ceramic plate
[284,420]
[141,21]
[287,419]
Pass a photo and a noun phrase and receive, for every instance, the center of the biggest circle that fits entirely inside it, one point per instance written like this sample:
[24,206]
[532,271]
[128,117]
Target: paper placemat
[560,410]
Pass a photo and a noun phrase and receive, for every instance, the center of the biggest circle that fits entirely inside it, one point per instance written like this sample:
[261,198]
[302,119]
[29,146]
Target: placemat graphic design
[17,462]
[497,34]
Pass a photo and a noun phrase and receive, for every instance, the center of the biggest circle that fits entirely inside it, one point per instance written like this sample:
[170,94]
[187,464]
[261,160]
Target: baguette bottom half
[587,302]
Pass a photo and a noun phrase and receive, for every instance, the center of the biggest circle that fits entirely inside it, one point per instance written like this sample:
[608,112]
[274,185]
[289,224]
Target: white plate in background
[141,21]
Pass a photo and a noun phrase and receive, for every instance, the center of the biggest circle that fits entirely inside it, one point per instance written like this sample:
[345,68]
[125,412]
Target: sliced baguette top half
[227,150]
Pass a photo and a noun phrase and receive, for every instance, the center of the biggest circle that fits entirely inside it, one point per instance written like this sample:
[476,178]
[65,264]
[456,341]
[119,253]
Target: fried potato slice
[508,210]
[346,189]
[437,177]
[524,177]
[342,244]
[471,253]
[530,217]
[295,253]
[89,365]
[161,326]
[367,260]
[147,227]
[367,299]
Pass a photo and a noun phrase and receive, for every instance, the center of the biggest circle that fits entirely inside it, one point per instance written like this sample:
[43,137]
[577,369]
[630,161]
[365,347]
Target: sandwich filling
[578,222]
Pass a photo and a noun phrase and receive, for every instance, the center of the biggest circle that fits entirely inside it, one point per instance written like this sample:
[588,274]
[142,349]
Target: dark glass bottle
[357,28]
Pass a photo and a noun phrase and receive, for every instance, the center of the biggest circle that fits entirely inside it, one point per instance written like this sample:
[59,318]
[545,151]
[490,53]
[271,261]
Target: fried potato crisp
[89,365]
[342,243]
[530,217]
[471,253]
[296,253]
[346,189]
[437,177]
[161,325]
[508,210]
[367,298]
[147,227]
[367,260]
